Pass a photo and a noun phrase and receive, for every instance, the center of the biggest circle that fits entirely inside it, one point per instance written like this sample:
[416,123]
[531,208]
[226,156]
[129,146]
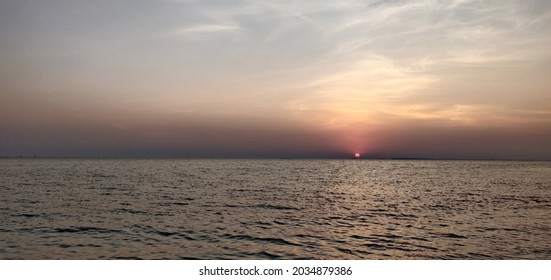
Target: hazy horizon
[276,79]
[260,158]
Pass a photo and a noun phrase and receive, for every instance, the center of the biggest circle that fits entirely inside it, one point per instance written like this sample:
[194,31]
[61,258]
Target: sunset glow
[445,79]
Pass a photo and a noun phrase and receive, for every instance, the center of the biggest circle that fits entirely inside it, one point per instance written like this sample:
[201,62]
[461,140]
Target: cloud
[205,31]
[208,28]
[325,67]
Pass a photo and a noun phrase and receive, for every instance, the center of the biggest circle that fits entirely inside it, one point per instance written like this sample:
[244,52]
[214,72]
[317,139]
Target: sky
[310,79]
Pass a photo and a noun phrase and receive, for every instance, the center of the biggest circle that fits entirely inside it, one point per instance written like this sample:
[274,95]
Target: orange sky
[447,79]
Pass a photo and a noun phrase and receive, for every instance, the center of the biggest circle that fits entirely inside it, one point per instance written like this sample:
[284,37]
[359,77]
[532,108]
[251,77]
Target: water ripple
[274,209]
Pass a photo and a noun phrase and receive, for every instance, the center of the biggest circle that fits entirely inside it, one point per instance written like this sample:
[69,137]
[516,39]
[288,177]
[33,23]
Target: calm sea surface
[274,209]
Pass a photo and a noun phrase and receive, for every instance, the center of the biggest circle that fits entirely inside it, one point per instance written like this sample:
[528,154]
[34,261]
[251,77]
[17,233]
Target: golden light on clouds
[338,78]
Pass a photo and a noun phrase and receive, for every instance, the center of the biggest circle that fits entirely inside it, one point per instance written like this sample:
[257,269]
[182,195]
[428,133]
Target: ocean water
[274,209]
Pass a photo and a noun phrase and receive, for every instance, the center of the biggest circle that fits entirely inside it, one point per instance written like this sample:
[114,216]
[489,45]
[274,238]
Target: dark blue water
[274,209]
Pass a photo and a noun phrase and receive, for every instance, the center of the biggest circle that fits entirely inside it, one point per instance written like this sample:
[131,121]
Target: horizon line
[264,158]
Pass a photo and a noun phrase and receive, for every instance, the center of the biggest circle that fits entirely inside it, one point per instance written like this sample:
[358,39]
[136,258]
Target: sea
[274,209]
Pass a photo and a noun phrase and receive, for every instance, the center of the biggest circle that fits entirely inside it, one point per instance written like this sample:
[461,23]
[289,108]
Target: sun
[357,155]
